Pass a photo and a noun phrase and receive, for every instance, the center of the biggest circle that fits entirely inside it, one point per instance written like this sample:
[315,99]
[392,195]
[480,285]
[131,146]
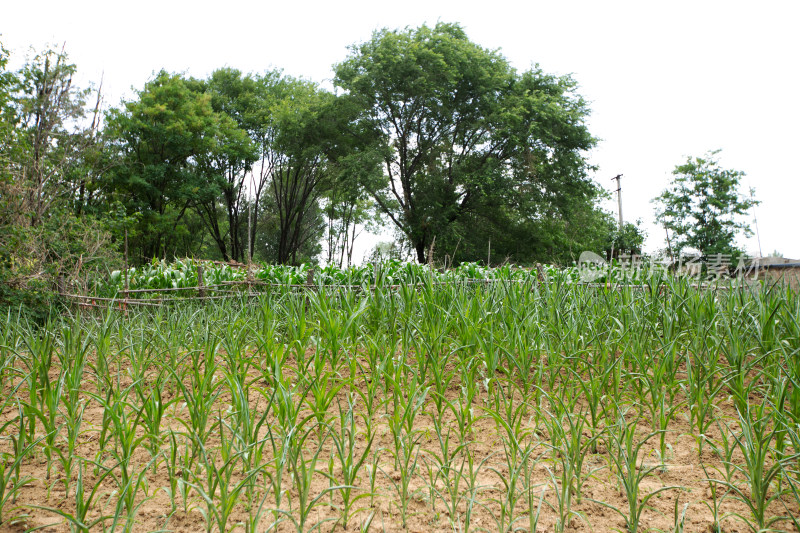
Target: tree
[174,153]
[353,160]
[46,152]
[703,207]
[310,159]
[308,228]
[629,240]
[462,132]
[299,165]
[49,139]
[235,96]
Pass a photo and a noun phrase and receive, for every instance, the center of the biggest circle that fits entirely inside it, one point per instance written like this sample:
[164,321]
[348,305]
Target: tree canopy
[703,207]
[463,134]
[427,132]
[49,135]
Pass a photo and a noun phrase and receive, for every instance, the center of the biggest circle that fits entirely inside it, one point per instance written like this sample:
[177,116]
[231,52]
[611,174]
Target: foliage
[703,207]
[627,241]
[47,242]
[462,133]
[172,148]
[183,274]
[236,97]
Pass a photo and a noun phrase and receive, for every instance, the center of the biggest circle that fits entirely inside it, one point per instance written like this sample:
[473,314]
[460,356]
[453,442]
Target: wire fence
[249,289]
[229,290]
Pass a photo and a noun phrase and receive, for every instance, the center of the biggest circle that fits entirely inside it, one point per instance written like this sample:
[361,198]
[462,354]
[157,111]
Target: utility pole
[619,197]
[755,221]
[249,234]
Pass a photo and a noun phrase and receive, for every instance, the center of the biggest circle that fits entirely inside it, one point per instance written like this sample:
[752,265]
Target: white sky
[664,80]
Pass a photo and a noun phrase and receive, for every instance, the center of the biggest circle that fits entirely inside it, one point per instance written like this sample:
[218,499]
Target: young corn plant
[46,411]
[11,342]
[372,470]
[287,406]
[302,465]
[510,419]
[19,442]
[336,326]
[755,444]
[217,488]
[518,454]
[592,385]
[447,465]
[350,459]
[408,400]
[714,502]
[462,409]
[368,390]
[740,364]
[441,378]
[127,438]
[199,398]
[624,451]
[79,521]
[524,352]
[11,483]
[321,386]
[152,408]
[514,481]
[235,349]
[43,394]
[246,428]
[659,381]
[73,360]
[679,517]
[701,387]
[569,448]
[127,495]
[175,472]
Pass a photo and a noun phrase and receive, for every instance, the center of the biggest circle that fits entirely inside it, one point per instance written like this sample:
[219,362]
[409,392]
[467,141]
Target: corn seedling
[303,468]
[624,450]
[79,521]
[11,483]
[217,488]
[754,442]
[350,460]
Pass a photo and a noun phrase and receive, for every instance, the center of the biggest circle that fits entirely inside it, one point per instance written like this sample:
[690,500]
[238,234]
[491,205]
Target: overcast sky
[664,80]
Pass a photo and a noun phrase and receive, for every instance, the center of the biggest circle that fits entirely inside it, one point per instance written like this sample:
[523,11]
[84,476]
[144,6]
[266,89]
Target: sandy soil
[380,511]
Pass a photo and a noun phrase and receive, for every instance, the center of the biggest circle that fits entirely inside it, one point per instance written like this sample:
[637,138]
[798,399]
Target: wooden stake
[201,289]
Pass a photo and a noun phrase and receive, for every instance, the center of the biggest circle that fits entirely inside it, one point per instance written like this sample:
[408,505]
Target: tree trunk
[419,246]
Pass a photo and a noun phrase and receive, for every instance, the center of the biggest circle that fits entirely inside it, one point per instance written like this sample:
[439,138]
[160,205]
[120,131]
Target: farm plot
[430,408]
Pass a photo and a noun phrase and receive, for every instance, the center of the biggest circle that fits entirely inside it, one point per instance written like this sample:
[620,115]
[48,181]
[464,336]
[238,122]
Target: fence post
[127,267]
[201,289]
[540,276]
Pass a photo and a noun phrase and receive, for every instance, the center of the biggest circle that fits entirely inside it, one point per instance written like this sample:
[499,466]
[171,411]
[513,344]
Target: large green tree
[464,134]
[299,164]
[230,165]
[703,207]
[307,159]
[175,152]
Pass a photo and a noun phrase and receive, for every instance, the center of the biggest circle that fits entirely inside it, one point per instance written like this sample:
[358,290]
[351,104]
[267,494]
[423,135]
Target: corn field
[511,406]
[183,274]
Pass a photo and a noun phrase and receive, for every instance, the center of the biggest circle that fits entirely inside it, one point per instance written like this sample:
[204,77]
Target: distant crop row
[183,274]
